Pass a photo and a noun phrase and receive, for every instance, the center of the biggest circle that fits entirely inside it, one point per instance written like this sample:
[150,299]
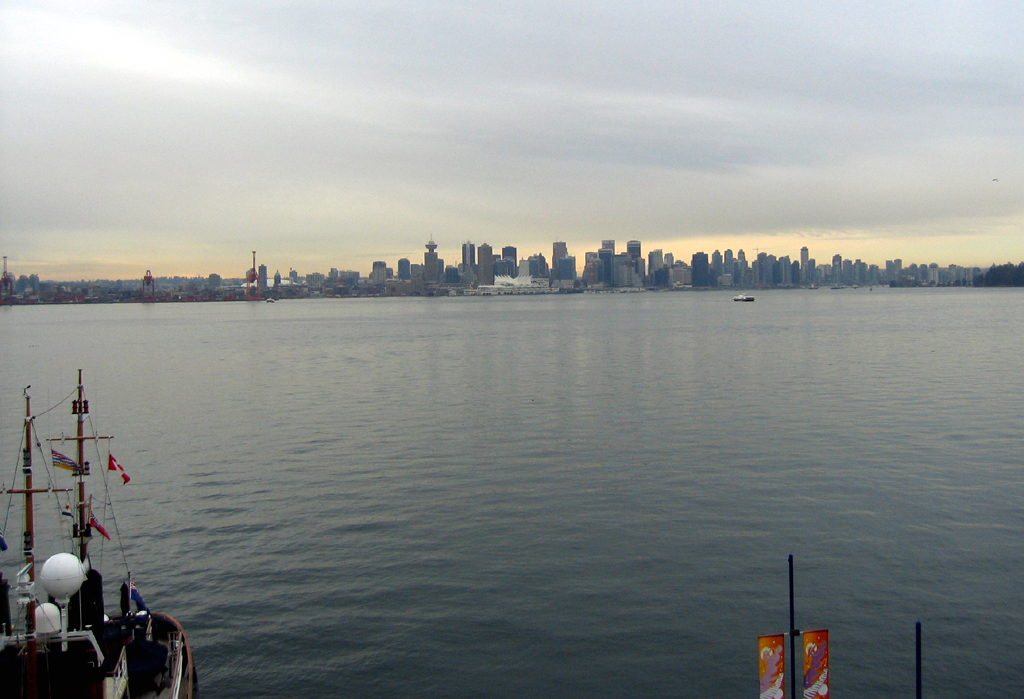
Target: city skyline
[466,255]
[140,135]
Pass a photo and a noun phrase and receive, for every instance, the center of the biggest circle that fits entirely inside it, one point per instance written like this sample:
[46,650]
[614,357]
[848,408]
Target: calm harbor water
[571,496]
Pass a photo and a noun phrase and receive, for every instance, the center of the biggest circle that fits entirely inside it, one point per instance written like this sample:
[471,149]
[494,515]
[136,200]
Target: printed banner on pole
[816,664]
[772,660]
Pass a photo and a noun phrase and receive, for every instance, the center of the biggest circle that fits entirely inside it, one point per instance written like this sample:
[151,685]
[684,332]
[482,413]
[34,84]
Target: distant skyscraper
[608,245]
[804,259]
[717,264]
[468,255]
[606,255]
[837,269]
[565,269]
[633,249]
[277,279]
[655,261]
[485,266]
[558,251]
[404,269]
[379,273]
[262,277]
[431,273]
[509,253]
[701,270]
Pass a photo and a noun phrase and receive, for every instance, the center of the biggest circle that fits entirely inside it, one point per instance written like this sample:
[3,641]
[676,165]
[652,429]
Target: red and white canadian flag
[112,465]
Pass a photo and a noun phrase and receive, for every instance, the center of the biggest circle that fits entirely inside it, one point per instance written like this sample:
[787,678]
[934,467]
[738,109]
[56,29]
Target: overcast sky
[180,136]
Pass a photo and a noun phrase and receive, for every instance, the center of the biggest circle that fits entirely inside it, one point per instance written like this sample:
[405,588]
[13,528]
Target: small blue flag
[3,544]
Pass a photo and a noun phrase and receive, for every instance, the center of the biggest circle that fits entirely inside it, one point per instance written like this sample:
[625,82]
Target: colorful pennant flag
[112,465]
[816,664]
[67,511]
[772,661]
[95,524]
[61,461]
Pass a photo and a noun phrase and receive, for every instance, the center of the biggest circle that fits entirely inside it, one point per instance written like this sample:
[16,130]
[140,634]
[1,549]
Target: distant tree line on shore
[1002,275]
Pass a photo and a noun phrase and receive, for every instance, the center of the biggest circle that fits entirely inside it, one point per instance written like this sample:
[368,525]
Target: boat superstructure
[59,642]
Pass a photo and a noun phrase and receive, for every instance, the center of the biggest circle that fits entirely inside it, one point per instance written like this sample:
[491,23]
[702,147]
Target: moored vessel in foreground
[60,642]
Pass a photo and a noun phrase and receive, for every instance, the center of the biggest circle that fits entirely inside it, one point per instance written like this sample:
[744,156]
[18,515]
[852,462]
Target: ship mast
[29,551]
[80,409]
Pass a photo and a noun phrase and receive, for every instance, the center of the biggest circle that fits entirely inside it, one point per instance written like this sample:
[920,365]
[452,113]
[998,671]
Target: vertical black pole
[792,634]
[919,660]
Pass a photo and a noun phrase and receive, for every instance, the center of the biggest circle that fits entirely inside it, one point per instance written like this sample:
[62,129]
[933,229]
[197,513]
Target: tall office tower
[655,261]
[728,261]
[468,255]
[758,266]
[509,253]
[565,269]
[670,259]
[804,257]
[785,270]
[717,264]
[837,270]
[633,249]
[538,266]
[608,245]
[485,266]
[700,274]
[504,267]
[262,276]
[379,273]
[606,254]
[404,269]
[277,279]
[558,251]
[431,274]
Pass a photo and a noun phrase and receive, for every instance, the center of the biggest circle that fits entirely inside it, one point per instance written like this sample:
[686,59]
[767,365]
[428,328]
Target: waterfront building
[315,280]
[655,261]
[717,265]
[606,254]
[700,275]
[261,276]
[431,273]
[624,273]
[379,273]
[537,266]
[565,270]
[485,265]
[504,267]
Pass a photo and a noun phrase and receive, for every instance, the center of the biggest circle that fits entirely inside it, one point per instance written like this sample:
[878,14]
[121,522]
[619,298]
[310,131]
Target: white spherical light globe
[62,575]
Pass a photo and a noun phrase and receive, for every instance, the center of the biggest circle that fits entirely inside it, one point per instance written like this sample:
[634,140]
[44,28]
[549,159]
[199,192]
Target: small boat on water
[742,297]
[61,644]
